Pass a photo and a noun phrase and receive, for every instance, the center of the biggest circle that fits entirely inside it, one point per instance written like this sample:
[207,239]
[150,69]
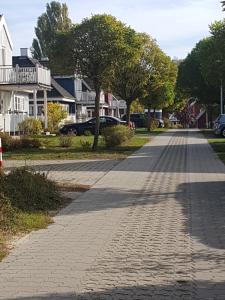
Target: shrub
[86,145]
[153,124]
[6,140]
[30,191]
[166,122]
[31,126]
[116,135]
[66,140]
[27,142]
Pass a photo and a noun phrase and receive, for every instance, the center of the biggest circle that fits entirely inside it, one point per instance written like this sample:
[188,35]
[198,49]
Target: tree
[137,107]
[53,21]
[223,5]
[193,77]
[160,88]
[55,115]
[133,71]
[98,43]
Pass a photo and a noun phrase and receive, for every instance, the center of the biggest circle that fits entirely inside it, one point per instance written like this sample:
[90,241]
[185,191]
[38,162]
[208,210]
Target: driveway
[151,228]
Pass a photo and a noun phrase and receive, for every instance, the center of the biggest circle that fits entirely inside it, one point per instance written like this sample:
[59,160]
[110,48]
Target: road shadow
[185,290]
[149,158]
[203,204]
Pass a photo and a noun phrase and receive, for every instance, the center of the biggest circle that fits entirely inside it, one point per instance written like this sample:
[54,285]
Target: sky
[177,25]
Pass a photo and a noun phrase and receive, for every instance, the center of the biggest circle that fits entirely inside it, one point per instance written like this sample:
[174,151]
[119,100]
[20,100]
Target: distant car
[89,126]
[219,125]
[139,119]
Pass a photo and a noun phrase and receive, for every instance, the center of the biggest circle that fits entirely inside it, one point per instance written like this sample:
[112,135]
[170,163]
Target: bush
[30,191]
[31,126]
[153,124]
[66,140]
[116,135]
[27,142]
[6,140]
[86,145]
[166,122]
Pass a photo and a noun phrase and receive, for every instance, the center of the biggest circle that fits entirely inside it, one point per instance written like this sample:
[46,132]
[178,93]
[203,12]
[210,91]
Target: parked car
[219,125]
[89,126]
[140,120]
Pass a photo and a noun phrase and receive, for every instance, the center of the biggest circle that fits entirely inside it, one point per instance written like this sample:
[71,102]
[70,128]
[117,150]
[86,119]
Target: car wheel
[73,131]
[223,132]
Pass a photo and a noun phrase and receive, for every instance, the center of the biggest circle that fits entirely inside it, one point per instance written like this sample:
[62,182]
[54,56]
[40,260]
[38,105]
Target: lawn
[217,143]
[52,149]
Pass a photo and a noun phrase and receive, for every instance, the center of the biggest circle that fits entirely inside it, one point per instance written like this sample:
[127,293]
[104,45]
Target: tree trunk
[128,113]
[149,119]
[97,124]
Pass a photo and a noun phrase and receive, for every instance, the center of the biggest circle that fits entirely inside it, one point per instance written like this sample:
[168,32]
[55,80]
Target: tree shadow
[204,205]
[185,290]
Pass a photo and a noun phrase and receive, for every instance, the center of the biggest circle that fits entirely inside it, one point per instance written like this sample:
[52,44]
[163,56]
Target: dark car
[139,119]
[89,126]
[219,126]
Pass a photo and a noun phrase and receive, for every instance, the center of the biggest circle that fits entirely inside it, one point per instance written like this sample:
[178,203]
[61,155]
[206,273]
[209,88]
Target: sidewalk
[151,228]
[85,172]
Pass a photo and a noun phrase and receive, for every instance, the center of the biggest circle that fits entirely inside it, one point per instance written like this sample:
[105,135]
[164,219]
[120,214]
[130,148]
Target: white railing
[28,75]
[86,98]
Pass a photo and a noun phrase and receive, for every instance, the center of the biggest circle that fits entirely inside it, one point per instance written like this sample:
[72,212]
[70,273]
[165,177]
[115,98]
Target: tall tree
[133,71]
[223,5]
[98,44]
[53,21]
[160,88]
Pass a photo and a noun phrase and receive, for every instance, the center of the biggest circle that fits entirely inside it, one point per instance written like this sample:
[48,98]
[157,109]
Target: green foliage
[116,135]
[55,20]
[6,140]
[99,44]
[30,126]
[153,124]
[137,107]
[66,140]
[7,212]
[30,191]
[86,145]
[166,122]
[55,115]
[27,142]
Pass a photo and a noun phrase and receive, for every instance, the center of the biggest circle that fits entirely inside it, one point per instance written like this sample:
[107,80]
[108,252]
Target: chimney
[24,52]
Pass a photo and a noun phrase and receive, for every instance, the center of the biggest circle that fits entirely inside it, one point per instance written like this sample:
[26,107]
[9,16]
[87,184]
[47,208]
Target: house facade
[16,82]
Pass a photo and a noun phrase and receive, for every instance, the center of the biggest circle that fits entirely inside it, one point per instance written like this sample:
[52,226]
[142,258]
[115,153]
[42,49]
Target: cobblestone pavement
[85,172]
[152,228]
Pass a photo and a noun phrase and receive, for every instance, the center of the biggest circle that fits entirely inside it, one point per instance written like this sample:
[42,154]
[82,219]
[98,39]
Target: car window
[102,120]
[91,122]
[110,121]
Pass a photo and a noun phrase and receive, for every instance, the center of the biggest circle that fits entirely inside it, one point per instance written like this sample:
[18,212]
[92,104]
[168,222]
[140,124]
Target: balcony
[38,76]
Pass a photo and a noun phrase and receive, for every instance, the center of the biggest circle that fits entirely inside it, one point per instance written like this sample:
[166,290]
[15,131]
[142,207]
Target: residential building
[16,82]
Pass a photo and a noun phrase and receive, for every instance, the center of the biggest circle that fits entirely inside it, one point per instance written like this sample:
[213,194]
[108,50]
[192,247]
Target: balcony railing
[24,76]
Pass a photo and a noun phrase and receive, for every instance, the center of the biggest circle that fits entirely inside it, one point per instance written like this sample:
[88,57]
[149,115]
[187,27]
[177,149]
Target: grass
[27,202]
[54,151]
[217,143]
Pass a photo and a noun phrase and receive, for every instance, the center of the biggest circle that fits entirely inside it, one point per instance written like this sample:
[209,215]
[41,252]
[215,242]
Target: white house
[16,83]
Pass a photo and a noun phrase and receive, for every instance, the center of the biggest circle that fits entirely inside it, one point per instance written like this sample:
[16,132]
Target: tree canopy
[98,45]
[53,21]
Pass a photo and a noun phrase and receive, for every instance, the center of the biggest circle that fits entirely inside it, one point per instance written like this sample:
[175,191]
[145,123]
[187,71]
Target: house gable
[6,45]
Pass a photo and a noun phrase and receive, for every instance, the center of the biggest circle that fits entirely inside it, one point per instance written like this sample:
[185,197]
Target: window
[1,106]
[19,103]
[40,110]
[31,110]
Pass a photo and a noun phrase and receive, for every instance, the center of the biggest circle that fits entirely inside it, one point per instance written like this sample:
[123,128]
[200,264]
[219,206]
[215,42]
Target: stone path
[86,172]
[152,228]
